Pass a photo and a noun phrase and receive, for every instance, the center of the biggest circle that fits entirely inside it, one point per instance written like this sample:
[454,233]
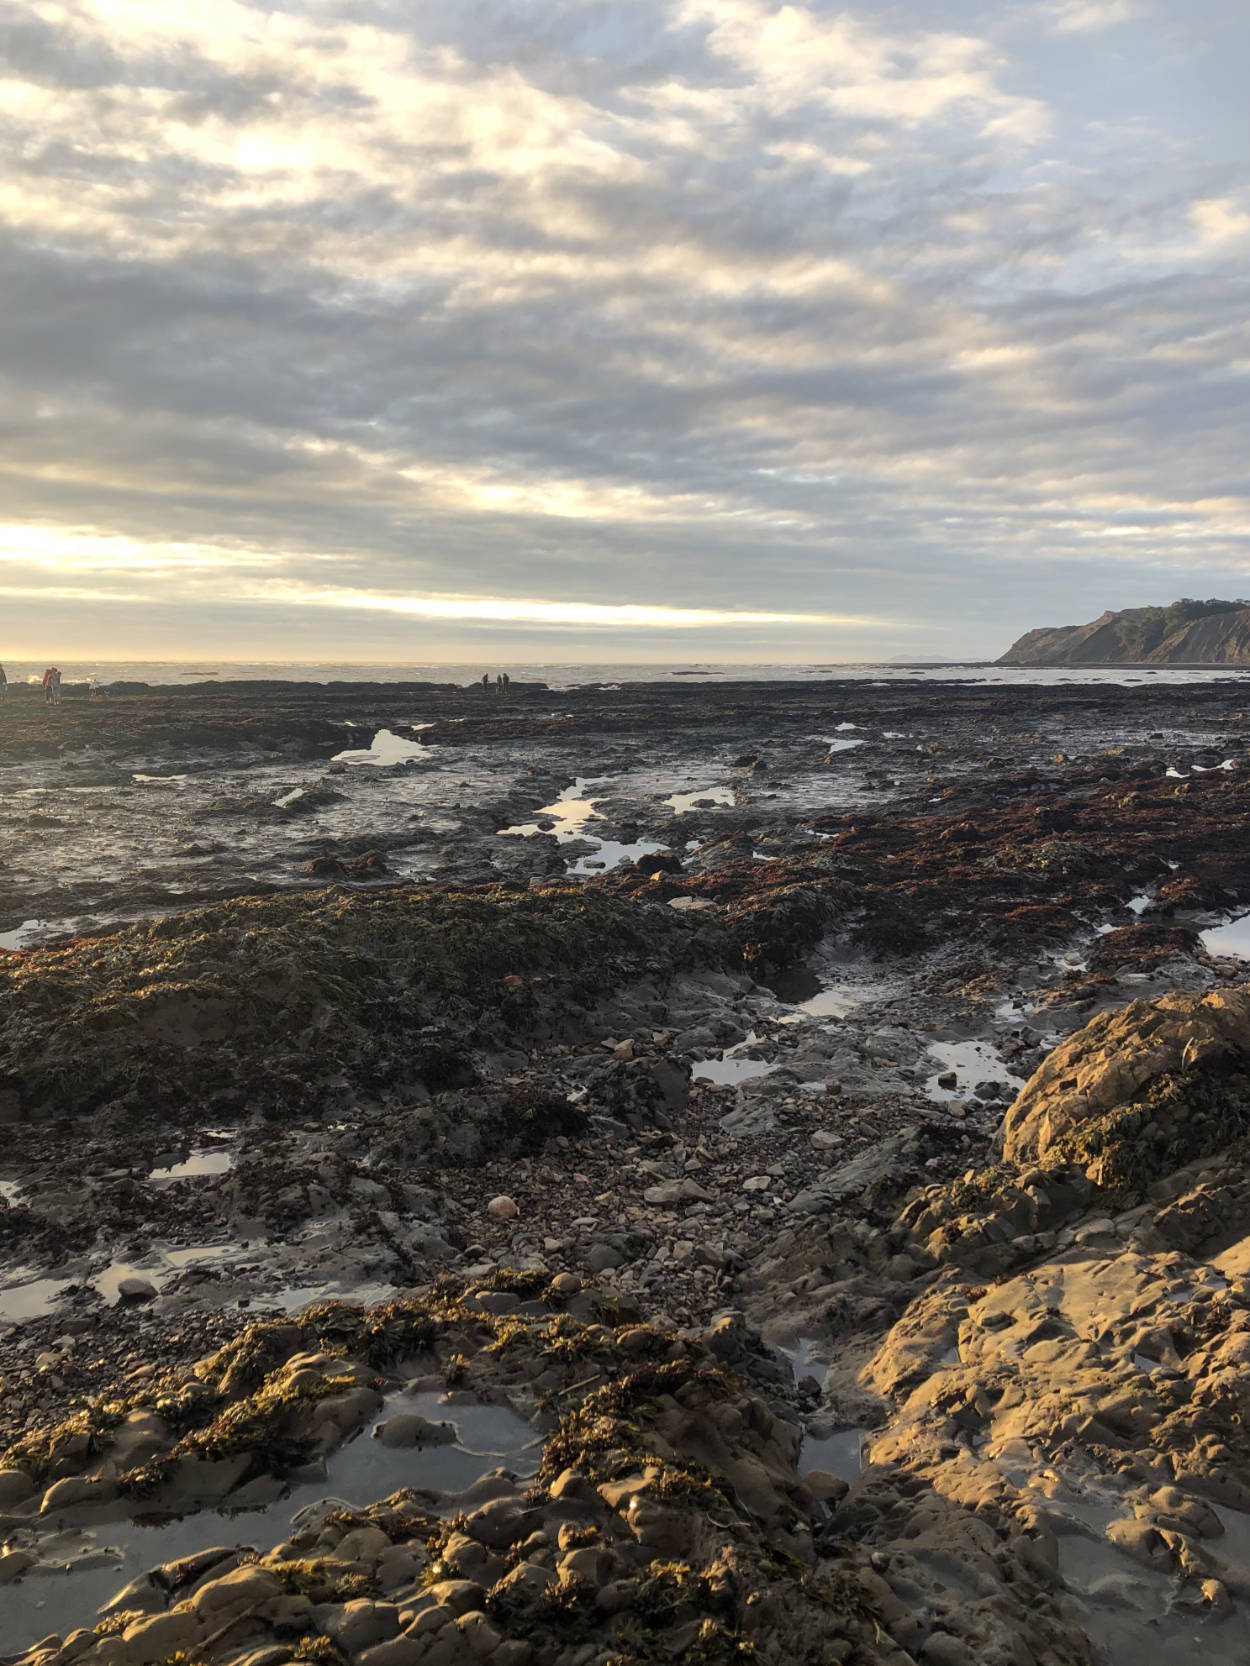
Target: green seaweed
[1178,1119]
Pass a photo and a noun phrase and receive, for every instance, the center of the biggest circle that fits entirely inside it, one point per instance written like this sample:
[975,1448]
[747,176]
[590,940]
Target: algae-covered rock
[1139,1092]
[292,1004]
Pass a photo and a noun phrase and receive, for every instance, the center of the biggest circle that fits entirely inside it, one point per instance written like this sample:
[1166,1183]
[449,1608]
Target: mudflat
[809,1119]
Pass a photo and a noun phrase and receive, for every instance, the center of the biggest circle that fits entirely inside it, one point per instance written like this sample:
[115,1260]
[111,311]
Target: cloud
[715,310]
[1085,17]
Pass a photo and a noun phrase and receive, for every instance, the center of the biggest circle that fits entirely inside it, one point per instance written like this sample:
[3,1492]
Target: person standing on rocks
[4,683]
[507,683]
[48,674]
[485,682]
[499,685]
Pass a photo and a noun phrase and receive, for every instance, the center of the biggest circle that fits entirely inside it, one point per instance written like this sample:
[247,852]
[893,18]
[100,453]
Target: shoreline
[730,1021]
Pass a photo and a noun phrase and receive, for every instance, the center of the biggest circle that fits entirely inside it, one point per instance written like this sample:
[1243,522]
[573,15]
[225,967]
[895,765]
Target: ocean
[174,674]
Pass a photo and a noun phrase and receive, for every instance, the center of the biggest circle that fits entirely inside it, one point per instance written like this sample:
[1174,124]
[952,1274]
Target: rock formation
[1186,633]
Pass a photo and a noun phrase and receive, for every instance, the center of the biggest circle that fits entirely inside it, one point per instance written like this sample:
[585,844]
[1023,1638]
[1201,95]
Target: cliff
[1186,633]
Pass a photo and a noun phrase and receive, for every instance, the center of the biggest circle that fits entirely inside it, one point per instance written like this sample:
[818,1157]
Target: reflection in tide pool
[972,1062]
[26,933]
[1232,939]
[729,1071]
[197,1164]
[34,1299]
[840,1454]
[683,803]
[487,1438]
[385,748]
[565,819]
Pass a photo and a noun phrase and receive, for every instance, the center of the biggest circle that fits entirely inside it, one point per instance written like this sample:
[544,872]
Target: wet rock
[1140,1091]
[411,1429]
[136,1289]
[358,1625]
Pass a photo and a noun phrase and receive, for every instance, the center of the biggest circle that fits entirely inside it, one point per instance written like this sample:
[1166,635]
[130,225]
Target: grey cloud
[812,447]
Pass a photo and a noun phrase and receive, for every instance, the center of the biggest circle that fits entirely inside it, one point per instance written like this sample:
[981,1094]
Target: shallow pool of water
[699,797]
[487,1438]
[841,1453]
[198,1164]
[1232,939]
[566,815]
[27,933]
[972,1062]
[610,854]
[385,748]
[730,1070]
[33,1299]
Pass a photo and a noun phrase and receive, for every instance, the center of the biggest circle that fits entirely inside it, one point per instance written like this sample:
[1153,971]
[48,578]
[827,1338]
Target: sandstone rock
[458,1596]
[358,1625]
[15,1487]
[362,1544]
[409,1428]
[396,1651]
[157,1638]
[13,1564]
[503,1208]
[1183,1047]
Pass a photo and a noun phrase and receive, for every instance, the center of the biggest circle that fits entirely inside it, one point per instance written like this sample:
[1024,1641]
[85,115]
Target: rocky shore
[738,1173]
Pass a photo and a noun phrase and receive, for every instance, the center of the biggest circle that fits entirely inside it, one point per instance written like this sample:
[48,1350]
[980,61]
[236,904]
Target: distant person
[485,682]
[4,683]
[94,691]
[499,685]
[56,686]
[507,682]
[47,685]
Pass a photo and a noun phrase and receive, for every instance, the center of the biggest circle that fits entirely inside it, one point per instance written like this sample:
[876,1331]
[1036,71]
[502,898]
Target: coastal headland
[720,1172]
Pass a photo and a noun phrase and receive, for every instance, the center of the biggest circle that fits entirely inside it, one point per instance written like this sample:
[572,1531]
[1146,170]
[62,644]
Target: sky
[648,330]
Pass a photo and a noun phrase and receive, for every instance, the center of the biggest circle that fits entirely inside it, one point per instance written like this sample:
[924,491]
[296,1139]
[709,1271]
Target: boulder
[1140,1091]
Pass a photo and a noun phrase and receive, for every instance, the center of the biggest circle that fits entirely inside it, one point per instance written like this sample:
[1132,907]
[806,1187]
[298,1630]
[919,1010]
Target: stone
[155,1639]
[401,1564]
[362,1544]
[15,1488]
[360,1624]
[481,1636]
[601,1258]
[13,1564]
[503,1208]
[458,1596]
[78,1489]
[136,1289]
[241,1588]
[826,1488]
[528,1580]
[396,1651]
[942,1649]
[513,1652]
[566,1284]
[501,1523]
[409,1428]
[140,1596]
[677,1191]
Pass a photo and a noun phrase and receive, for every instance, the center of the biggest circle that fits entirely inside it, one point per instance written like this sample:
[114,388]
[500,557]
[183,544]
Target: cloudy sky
[643,329]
